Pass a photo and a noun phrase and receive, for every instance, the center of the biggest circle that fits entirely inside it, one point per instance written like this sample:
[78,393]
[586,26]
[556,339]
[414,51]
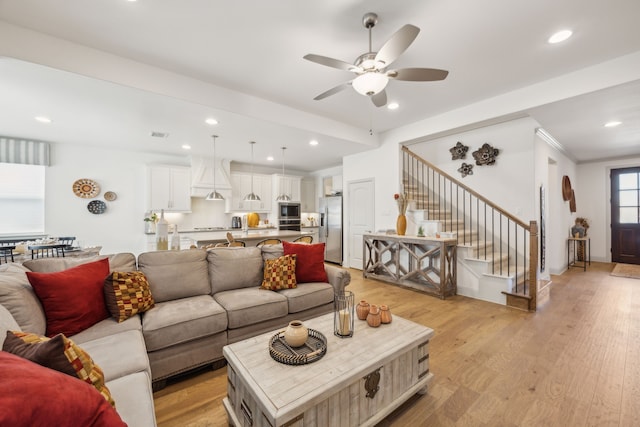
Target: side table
[576,241]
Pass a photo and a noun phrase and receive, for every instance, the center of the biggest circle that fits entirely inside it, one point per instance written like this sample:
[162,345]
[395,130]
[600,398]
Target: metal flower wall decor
[466,169]
[459,151]
[486,155]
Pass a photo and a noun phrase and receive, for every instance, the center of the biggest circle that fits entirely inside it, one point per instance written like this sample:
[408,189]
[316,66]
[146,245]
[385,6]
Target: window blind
[24,151]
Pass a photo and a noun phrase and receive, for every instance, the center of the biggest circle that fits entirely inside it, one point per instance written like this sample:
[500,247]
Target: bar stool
[47,251]
[304,239]
[269,242]
[6,253]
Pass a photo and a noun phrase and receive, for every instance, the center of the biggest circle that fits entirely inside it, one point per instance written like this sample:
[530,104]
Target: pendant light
[283,197]
[251,196]
[214,195]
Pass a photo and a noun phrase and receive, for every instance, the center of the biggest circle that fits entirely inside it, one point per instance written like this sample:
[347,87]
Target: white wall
[593,195]
[121,227]
[551,166]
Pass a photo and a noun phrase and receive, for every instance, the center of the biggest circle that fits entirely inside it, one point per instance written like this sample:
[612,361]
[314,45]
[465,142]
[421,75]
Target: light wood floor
[575,362]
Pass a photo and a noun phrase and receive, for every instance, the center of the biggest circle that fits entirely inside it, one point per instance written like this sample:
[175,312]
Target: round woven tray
[312,350]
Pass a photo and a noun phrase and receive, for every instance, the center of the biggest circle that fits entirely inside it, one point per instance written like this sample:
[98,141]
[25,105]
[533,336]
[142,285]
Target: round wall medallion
[86,188]
[110,196]
[97,207]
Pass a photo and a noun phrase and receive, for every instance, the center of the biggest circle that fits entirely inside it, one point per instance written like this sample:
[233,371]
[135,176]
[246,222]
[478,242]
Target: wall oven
[289,216]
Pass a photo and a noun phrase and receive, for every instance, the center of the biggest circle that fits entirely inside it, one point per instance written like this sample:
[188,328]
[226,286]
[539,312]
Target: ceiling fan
[370,68]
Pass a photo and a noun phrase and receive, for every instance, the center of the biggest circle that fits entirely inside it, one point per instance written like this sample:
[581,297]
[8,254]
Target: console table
[585,242]
[425,263]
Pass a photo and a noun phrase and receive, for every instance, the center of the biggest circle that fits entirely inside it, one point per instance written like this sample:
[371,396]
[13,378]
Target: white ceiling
[256,47]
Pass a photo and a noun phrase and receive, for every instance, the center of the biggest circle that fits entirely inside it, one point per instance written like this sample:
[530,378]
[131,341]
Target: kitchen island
[250,237]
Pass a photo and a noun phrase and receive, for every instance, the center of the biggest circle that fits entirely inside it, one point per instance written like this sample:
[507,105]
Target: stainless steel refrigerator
[331,228]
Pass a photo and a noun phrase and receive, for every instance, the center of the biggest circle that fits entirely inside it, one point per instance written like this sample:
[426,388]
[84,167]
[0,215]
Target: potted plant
[150,223]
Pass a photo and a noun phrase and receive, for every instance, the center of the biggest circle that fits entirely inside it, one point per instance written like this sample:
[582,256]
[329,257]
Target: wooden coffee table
[359,381]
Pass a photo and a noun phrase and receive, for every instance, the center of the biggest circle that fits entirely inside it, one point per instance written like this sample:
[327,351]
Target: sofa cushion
[251,305]
[72,299]
[234,268]
[17,296]
[7,323]
[107,327]
[310,261]
[279,273]
[135,399]
[120,354]
[53,397]
[120,262]
[58,353]
[308,296]
[272,251]
[127,294]
[175,274]
[173,322]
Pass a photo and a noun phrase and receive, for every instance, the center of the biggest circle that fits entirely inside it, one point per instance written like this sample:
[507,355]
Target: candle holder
[343,314]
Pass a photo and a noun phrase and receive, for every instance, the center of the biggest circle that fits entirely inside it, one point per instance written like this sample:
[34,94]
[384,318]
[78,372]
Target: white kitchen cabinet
[241,186]
[308,195]
[169,188]
[287,184]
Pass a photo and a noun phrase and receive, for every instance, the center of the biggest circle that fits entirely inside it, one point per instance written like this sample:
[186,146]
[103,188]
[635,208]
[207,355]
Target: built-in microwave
[288,210]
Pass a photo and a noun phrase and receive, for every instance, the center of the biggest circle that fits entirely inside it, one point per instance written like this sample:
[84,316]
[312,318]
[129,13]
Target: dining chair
[269,242]
[68,241]
[6,253]
[304,239]
[47,251]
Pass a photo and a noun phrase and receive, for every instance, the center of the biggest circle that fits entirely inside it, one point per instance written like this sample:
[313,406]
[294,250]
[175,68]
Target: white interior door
[361,218]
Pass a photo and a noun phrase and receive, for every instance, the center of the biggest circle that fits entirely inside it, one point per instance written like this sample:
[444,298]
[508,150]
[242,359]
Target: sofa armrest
[338,277]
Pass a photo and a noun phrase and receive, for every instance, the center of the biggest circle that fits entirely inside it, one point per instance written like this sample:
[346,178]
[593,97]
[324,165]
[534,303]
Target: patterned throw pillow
[127,294]
[59,353]
[279,273]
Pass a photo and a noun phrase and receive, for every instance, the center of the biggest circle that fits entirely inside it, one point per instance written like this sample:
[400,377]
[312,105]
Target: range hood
[202,176]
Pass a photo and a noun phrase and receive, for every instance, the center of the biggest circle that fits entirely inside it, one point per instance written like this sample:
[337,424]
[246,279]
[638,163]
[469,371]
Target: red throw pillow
[309,261]
[73,299]
[32,395]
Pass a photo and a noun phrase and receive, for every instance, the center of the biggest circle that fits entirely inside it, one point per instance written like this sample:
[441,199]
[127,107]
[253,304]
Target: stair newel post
[533,265]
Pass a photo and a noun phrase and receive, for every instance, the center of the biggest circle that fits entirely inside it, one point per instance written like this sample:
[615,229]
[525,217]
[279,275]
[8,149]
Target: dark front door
[625,215]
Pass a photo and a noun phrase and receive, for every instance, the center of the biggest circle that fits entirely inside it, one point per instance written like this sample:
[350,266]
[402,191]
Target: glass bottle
[175,239]
[162,233]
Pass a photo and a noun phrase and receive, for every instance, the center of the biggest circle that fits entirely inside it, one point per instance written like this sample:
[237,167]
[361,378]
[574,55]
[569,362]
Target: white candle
[345,322]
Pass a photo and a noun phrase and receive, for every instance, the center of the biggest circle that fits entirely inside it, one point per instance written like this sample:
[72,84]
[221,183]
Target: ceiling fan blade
[379,99]
[398,43]
[418,74]
[330,62]
[332,91]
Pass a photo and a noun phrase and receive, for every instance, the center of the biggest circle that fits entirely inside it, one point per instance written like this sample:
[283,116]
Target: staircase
[497,252]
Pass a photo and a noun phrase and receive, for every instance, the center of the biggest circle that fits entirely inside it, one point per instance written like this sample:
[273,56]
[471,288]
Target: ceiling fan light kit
[370,68]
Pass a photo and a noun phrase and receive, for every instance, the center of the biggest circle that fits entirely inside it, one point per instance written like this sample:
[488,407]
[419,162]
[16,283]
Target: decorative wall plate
[486,155]
[466,169]
[459,151]
[110,196]
[97,207]
[86,188]
[566,188]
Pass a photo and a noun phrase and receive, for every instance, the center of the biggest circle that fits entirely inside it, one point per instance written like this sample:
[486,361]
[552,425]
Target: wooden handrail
[474,193]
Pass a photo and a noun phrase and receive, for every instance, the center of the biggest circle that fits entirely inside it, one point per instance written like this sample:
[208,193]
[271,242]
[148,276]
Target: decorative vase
[373,318]
[296,333]
[401,225]
[385,314]
[362,310]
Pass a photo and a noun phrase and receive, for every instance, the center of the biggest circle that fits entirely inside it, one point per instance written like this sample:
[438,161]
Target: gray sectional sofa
[203,301]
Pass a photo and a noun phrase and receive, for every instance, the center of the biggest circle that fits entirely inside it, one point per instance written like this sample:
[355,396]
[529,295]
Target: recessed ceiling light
[211,121]
[270,158]
[313,142]
[186,147]
[43,119]
[393,106]
[612,124]
[560,36]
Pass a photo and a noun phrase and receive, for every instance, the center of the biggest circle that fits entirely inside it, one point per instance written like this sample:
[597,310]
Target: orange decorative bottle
[362,310]
[373,318]
[385,314]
